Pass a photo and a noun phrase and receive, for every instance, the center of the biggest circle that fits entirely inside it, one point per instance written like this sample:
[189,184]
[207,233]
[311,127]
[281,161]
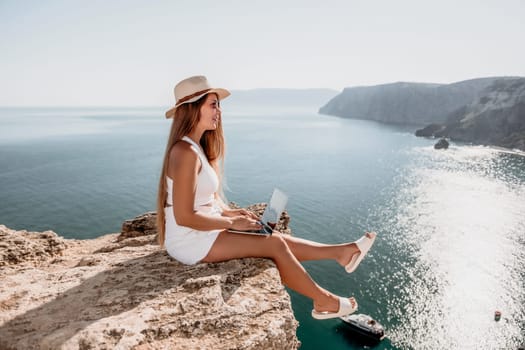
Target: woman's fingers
[241,212]
[249,214]
[244,223]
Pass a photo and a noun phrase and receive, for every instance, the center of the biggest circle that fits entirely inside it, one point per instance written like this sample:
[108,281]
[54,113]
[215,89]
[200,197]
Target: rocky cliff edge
[121,291]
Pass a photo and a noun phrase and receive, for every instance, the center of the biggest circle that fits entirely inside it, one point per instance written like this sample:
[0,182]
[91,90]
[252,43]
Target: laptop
[271,214]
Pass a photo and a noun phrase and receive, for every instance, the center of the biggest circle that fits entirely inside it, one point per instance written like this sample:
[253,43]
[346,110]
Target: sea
[450,250]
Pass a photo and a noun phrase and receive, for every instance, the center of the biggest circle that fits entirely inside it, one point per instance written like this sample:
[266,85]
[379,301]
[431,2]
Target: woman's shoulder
[182,151]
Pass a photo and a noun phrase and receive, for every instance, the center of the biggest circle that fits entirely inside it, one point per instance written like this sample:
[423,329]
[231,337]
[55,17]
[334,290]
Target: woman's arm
[183,168]
[229,212]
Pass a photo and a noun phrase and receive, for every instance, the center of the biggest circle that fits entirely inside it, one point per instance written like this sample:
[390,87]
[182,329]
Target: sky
[132,53]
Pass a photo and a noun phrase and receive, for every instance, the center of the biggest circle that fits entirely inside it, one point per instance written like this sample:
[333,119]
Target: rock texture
[497,117]
[121,291]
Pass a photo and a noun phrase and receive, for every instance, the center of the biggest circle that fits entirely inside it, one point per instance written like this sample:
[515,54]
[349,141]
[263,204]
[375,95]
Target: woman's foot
[352,251]
[331,304]
[333,307]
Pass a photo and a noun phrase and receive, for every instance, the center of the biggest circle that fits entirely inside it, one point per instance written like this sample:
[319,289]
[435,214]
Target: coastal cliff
[488,111]
[497,117]
[121,291]
[405,103]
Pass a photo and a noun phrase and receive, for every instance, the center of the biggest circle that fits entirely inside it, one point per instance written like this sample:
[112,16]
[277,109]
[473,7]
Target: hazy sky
[133,52]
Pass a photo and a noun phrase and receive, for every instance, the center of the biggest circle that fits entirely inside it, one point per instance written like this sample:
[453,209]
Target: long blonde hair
[212,142]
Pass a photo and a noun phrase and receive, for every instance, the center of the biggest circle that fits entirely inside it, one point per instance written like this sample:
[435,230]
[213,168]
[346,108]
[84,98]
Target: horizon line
[252,90]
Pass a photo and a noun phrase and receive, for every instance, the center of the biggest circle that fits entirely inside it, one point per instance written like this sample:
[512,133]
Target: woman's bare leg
[232,246]
[304,249]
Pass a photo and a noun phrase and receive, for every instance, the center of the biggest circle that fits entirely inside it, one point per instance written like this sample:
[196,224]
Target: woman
[193,220]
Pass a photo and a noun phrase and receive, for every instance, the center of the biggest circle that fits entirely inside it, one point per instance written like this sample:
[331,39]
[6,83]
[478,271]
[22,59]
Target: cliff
[497,117]
[405,103]
[121,291]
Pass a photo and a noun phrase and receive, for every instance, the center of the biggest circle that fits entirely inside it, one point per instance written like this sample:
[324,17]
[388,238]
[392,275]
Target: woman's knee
[279,245]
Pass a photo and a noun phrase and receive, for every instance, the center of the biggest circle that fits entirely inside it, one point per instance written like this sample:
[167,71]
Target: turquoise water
[451,224]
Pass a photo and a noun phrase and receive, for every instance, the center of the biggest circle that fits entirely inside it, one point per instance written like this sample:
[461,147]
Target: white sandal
[363,244]
[345,308]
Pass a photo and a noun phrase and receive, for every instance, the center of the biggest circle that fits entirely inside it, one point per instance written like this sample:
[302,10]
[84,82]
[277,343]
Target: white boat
[364,325]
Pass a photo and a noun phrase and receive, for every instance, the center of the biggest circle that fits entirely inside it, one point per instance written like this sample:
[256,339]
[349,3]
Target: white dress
[183,243]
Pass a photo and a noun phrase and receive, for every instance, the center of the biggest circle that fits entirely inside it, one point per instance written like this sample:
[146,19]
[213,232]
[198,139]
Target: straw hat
[191,89]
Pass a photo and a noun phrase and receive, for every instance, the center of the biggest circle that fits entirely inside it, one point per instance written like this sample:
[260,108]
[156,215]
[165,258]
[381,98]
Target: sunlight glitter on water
[462,232]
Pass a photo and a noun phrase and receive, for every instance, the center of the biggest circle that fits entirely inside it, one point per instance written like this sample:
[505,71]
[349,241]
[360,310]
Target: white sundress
[183,243]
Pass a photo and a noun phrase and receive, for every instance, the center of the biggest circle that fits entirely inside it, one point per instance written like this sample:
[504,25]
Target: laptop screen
[275,208]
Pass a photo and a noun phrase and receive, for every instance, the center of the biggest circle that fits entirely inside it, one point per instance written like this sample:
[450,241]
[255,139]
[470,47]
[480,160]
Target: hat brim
[222,93]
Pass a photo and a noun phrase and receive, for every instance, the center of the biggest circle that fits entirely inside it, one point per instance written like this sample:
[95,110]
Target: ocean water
[451,224]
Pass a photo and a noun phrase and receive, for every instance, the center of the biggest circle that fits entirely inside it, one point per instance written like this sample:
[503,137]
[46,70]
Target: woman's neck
[196,136]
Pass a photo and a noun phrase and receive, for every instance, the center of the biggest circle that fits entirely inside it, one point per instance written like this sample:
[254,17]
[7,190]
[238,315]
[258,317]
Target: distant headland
[488,111]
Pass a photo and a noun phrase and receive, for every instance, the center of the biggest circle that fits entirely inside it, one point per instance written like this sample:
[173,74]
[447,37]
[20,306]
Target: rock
[429,131]
[441,144]
[141,225]
[34,247]
[123,291]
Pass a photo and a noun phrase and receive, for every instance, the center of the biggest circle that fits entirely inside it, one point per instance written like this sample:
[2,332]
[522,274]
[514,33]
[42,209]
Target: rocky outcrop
[497,117]
[121,291]
[405,103]
[441,144]
[29,247]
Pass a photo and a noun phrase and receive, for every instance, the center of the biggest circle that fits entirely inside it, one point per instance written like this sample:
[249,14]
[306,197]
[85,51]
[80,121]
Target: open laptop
[271,214]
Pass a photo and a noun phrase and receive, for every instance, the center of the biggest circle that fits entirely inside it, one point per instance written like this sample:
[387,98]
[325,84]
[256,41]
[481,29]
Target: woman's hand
[239,212]
[244,223]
